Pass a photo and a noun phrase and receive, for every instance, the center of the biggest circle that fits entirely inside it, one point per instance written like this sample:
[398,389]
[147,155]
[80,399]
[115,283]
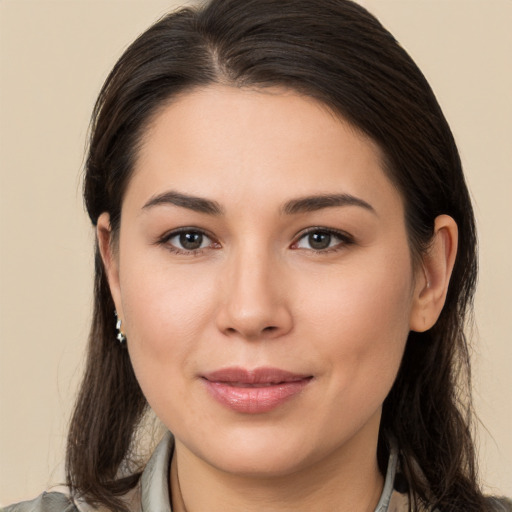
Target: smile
[254,391]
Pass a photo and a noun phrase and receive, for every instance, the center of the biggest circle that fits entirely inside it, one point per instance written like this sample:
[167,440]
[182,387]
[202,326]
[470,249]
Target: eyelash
[344,239]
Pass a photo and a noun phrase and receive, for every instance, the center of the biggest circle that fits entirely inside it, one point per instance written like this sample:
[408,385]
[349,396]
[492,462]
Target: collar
[155,493]
[154,481]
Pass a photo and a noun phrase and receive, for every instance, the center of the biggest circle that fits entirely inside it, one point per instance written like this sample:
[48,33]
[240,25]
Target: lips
[254,391]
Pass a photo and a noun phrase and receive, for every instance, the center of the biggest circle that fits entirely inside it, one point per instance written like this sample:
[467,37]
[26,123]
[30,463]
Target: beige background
[54,57]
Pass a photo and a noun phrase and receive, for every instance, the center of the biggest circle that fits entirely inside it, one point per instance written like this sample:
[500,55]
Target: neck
[349,480]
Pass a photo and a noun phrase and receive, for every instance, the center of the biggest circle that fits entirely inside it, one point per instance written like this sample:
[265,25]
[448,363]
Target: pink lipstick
[254,391]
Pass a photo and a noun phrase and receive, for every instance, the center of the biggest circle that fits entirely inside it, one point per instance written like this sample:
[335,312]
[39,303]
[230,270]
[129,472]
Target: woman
[286,238]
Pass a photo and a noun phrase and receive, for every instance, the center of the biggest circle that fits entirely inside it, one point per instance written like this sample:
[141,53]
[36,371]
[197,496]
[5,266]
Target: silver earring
[120,334]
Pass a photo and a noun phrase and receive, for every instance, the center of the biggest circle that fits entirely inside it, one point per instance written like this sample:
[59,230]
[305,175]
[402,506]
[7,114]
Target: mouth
[254,391]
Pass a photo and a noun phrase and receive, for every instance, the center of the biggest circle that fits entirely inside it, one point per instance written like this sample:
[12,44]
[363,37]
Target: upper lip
[264,375]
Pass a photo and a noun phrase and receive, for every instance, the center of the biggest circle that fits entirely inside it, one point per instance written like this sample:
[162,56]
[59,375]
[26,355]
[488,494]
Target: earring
[120,334]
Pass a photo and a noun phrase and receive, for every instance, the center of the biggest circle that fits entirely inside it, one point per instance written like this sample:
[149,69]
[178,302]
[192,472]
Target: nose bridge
[255,303]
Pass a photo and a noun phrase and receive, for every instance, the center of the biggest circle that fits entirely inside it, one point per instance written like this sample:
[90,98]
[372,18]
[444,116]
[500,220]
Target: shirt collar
[155,478]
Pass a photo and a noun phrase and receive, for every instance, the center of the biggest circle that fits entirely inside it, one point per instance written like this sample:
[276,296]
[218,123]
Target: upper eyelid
[337,232]
[187,229]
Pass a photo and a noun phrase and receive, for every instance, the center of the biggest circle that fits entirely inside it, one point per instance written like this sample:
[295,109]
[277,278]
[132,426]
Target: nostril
[269,329]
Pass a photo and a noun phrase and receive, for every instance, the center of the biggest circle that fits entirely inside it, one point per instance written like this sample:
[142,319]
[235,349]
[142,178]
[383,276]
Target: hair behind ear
[109,407]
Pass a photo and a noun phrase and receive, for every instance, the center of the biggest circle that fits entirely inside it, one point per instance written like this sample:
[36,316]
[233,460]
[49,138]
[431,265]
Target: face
[264,279]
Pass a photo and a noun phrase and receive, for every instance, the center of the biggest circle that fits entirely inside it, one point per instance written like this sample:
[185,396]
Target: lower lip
[254,399]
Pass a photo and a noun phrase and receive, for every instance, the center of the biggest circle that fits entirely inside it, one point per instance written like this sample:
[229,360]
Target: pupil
[191,240]
[319,240]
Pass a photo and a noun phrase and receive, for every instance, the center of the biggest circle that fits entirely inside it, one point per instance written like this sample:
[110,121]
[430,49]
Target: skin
[257,293]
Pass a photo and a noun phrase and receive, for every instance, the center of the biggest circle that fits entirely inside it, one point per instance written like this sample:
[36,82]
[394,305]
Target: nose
[254,301]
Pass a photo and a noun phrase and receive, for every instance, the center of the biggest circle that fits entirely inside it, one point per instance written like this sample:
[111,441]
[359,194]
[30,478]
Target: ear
[110,259]
[433,278]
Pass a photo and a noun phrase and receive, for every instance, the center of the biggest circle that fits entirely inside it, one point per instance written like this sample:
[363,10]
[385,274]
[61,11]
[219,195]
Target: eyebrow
[197,204]
[314,203]
[292,207]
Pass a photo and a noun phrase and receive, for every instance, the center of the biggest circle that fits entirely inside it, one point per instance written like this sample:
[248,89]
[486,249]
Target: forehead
[219,141]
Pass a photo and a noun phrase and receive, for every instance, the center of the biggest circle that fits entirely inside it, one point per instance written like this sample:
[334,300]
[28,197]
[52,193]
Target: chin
[245,463]
[267,454]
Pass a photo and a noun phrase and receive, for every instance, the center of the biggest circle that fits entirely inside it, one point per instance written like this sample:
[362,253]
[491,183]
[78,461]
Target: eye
[318,239]
[187,241]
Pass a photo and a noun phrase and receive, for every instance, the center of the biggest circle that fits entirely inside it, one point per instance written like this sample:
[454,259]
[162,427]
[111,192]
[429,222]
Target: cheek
[166,311]
[163,303]
[360,317]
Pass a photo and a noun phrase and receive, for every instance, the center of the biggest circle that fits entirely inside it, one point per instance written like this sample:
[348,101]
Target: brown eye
[323,240]
[188,241]
[319,240]
[191,241]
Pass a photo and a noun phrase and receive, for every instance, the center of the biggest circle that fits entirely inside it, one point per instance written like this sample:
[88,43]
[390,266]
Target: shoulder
[46,502]
[499,504]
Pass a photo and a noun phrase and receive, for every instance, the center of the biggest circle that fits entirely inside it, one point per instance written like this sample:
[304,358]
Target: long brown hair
[338,53]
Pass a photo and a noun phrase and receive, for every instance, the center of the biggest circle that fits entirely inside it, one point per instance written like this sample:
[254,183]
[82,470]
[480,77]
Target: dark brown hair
[338,53]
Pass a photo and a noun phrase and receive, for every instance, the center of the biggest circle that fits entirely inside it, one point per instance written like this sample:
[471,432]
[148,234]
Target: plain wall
[54,56]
